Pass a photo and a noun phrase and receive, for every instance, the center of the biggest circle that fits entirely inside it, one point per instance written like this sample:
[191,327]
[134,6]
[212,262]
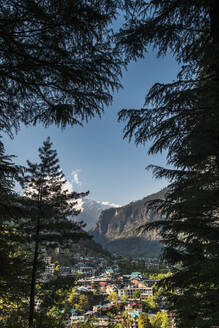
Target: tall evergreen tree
[13,258]
[51,206]
[8,172]
[183,118]
[58,64]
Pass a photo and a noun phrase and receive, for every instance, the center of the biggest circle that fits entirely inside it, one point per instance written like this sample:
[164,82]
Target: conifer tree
[51,206]
[182,117]
[13,259]
[8,171]
[57,62]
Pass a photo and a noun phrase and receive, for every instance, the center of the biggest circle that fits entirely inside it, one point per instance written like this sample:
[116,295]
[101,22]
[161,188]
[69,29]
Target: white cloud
[70,184]
[75,177]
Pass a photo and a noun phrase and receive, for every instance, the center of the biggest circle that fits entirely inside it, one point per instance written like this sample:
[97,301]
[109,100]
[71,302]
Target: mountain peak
[91,209]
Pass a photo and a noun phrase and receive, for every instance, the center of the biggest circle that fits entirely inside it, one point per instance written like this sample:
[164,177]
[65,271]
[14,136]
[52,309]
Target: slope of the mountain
[83,247]
[116,228]
[90,211]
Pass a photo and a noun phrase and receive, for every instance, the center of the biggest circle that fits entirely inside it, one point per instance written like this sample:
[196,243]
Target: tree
[13,258]
[137,294]
[127,321]
[113,297]
[161,321]
[58,63]
[51,207]
[8,172]
[83,302]
[150,303]
[125,298]
[57,299]
[182,117]
[143,321]
[89,323]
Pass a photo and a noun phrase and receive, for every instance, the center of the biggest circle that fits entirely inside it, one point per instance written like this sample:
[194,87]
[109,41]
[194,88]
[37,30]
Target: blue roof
[135,274]
[135,314]
[73,311]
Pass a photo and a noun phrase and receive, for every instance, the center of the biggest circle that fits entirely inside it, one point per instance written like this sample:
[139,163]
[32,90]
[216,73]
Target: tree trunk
[33,278]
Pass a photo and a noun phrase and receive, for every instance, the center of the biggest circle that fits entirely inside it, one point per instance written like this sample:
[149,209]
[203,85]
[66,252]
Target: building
[50,268]
[129,291]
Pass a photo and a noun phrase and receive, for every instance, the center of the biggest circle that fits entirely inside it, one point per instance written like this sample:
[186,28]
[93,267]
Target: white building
[130,290]
[50,268]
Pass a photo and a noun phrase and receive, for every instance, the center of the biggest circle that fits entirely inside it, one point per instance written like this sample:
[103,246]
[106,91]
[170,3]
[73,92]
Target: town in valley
[107,291]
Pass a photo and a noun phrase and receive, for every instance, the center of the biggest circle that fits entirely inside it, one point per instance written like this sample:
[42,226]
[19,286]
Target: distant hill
[83,247]
[116,228]
[89,246]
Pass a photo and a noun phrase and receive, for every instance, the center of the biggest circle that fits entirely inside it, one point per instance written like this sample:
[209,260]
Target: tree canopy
[143,321]
[58,63]
[182,118]
[51,209]
[12,257]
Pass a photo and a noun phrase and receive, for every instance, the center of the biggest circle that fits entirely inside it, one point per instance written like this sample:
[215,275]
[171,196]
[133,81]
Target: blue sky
[95,157]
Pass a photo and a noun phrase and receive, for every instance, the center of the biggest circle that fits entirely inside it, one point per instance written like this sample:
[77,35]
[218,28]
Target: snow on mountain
[90,211]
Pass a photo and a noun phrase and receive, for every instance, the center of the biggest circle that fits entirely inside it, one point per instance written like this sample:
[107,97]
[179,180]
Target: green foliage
[182,118]
[50,206]
[137,294]
[159,275]
[16,316]
[160,320]
[8,173]
[127,266]
[57,300]
[150,303]
[83,303]
[60,66]
[95,298]
[13,257]
[125,298]
[89,246]
[89,323]
[72,296]
[143,321]
[113,297]
[126,321]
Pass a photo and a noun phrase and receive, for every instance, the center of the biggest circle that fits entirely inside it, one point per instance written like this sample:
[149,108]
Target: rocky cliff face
[90,211]
[116,226]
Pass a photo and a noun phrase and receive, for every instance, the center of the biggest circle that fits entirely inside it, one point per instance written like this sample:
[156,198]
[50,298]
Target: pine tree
[183,118]
[51,207]
[13,259]
[7,171]
[58,63]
